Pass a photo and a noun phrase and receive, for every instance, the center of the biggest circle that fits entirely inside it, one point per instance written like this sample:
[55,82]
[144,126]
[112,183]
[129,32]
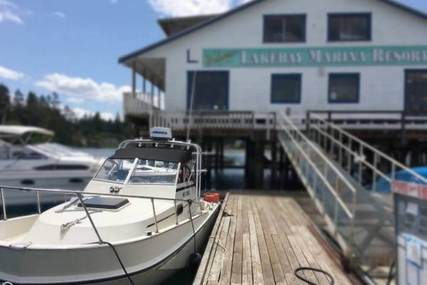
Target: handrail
[355,154]
[371,148]
[331,165]
[327,160]
[79,196]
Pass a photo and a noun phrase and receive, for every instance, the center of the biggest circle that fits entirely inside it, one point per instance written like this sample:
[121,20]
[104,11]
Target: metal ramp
[350,183]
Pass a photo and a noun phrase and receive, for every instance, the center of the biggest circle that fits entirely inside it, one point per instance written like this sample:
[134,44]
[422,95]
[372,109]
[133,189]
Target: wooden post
[158,97]
[133,79]
[144,85]
[273,175]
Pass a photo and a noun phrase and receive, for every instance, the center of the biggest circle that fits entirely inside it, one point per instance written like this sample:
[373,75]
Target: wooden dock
[261,238]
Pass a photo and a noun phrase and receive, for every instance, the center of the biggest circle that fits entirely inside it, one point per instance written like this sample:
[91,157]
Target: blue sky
[72,46]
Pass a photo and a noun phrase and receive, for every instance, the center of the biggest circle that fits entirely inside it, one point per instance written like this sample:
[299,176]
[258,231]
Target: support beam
[133,79]
[144,85]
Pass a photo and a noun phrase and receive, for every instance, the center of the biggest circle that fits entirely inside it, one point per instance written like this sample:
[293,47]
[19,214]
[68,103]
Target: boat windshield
[139,171]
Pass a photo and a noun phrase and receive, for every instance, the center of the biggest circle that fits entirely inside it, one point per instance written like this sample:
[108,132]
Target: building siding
[381,87]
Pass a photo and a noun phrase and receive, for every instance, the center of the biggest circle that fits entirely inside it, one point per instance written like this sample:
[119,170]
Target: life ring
[212,197]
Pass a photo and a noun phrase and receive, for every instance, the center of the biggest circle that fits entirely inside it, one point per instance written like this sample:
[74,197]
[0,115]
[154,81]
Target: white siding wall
[381,87]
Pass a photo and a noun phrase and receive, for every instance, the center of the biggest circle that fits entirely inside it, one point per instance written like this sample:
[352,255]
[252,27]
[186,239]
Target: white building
[271,55]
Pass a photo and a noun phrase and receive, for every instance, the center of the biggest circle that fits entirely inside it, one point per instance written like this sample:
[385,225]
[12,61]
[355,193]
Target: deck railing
[374,119]
[215,120]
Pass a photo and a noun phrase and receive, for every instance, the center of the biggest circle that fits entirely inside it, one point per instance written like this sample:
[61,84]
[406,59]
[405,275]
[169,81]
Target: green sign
[320,56]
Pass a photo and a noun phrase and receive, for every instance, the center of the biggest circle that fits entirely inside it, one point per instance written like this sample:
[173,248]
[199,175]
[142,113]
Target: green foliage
[42,111]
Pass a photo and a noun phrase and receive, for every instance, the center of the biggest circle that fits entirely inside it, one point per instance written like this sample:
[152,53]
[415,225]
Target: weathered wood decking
[261,239]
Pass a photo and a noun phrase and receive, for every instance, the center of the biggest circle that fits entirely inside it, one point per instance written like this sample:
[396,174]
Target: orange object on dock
[211,197]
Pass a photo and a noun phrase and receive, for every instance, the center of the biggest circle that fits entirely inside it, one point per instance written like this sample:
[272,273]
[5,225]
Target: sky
[71,47]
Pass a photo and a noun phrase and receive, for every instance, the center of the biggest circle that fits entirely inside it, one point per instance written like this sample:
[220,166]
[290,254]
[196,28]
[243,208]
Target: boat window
[25,153]
[115,170]
[62,167]
[187,173]
[154,172]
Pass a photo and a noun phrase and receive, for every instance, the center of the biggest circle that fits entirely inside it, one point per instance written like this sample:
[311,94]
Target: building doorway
[211,90]
[416,92]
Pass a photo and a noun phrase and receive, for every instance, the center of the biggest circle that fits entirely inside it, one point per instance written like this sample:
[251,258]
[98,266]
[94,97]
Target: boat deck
[261,238]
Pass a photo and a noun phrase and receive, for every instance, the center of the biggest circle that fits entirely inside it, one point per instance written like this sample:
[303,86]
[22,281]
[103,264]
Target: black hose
[391,273]
[120,261]
[300,269]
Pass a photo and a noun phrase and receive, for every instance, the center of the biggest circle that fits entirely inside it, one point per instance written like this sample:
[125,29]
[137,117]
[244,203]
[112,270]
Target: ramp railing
[333,195]
[371,167]
[351,183]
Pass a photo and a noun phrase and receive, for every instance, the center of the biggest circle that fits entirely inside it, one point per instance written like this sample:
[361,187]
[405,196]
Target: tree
[19,97]
[4,102]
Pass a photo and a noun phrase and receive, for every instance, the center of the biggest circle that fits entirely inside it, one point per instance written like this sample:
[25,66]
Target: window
[349,27]
[416,91]
[115,170]
[286,88]
[284,28]
[154,172]
[344,88]
[62,167]
[210,90]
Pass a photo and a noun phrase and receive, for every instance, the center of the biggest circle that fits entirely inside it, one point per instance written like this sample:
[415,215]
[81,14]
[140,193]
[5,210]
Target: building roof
[213,20]
[173,26]
[10,130]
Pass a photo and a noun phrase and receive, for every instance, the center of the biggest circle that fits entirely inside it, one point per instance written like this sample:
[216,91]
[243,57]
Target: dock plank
[261,238]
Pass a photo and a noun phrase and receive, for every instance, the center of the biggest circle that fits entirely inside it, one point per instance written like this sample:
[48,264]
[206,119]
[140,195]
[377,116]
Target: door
[207,90]
[416,92]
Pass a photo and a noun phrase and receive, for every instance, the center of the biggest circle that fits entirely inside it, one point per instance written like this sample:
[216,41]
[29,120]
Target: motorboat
[29,159]
[138,221]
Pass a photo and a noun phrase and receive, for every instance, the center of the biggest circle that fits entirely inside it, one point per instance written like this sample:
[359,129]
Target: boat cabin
[150,168]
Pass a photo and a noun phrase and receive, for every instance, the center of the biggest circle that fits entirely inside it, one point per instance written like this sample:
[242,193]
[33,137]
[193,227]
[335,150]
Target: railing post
[360,164]
[374,172]
[154,214]
[340,149]
[39,208]
[307,121]
[176,211]
[3,202]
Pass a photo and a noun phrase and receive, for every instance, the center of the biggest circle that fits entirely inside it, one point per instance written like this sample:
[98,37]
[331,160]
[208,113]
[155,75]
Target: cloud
[81,112]
[82,88]
[10,12]
[7,73]
[177,8]
[114,1]
[74,100]
[59,14]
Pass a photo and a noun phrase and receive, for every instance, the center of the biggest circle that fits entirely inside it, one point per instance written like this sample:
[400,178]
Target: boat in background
[139,220]
[29,159]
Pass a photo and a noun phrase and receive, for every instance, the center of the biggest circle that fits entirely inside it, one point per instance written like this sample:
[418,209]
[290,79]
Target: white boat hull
[148,261]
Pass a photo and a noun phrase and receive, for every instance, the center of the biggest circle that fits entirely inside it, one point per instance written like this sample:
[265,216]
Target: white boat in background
[28,159]
[139,220]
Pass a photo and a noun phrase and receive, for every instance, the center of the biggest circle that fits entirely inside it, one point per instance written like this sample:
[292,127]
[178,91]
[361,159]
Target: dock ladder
[350,182]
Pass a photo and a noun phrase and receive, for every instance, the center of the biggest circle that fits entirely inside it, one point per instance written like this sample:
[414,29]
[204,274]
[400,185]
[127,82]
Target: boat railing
[80,197]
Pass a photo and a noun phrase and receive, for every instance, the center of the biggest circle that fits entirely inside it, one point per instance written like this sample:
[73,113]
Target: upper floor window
[286,88]
[349,27]
[344,87]
[284,28]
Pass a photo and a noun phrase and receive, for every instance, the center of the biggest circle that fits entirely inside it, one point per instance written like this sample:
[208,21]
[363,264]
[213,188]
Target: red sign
[410,189]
